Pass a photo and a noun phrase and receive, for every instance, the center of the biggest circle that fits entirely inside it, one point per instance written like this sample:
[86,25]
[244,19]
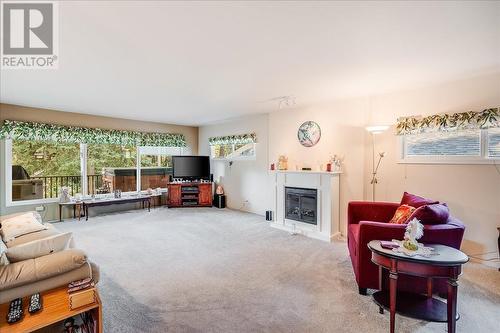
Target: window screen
[460,143]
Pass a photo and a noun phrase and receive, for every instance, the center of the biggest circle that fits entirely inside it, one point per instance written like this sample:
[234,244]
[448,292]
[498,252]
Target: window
[110,168]
[494,143]
[156,166]
[39,169]
[464,146]
[237,151]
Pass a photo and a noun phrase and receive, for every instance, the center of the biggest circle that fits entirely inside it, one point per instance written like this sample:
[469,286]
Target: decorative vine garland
[488,118]
[233,139]
[20,130]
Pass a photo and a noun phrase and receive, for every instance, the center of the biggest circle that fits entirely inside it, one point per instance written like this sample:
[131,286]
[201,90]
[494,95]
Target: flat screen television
[191,167]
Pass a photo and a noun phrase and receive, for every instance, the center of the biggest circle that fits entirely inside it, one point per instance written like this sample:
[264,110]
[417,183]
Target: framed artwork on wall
[309,133]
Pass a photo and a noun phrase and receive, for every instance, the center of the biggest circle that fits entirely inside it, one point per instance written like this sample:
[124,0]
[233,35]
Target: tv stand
[189,194]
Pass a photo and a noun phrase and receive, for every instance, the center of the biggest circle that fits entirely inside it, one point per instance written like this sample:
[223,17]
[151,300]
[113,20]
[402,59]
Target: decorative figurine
[336,163]
[219,190]
[414,231]
[64,196]
[282,162]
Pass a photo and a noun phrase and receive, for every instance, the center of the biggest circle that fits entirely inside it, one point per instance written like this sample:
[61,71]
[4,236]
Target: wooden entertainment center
[192,194]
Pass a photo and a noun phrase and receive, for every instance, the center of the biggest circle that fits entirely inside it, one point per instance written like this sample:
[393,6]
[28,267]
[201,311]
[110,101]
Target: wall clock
[309,134]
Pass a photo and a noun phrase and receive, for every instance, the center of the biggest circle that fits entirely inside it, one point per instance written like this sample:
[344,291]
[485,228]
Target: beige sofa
[24,278]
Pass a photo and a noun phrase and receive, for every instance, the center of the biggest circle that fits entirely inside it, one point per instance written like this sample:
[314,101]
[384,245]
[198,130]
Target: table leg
[380,285]
[60,213]
[393,288]
[74,211]
[429,287]
[149,205]
[86,209]
[498,243]
[452,304]
[79,209]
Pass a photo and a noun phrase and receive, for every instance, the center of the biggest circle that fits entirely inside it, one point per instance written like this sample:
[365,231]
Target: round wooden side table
[447,264]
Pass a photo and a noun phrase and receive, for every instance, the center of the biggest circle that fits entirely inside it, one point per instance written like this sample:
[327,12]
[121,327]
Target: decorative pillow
[35,214]
[432,214]
[50,231]
[18,225]
[402,214]
[39,247]
[3,256]
[416,201]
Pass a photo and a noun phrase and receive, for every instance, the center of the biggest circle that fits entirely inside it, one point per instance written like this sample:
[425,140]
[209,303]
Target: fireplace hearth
[301,204]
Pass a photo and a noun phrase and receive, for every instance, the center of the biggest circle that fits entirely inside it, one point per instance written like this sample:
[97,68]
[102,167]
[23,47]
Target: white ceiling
[196,63]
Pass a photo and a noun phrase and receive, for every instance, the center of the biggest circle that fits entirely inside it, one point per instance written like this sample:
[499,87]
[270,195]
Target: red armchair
[369,220]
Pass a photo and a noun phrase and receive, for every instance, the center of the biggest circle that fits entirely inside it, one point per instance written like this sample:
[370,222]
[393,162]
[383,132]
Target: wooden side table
[498,244]
[77,209]
[55,309]
[447,264]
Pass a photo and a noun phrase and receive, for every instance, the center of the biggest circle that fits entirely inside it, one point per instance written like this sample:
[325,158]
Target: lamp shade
[376,129]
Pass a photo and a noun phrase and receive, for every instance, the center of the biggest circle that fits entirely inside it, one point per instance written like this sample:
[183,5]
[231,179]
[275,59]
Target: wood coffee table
[448,264]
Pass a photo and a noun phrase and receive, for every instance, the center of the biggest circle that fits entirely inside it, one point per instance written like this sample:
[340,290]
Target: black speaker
[220,201]
[211,177]
[269,215]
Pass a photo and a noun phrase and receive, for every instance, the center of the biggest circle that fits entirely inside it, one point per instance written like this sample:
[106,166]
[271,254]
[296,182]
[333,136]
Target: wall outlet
[40,208]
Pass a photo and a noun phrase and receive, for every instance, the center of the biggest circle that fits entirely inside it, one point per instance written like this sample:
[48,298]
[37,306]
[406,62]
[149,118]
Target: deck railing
[52,184]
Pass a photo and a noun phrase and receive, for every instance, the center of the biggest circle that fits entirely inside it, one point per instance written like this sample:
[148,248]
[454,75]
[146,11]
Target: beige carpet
[210,270]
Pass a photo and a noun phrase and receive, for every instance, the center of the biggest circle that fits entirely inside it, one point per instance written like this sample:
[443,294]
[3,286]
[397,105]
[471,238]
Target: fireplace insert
[301,204]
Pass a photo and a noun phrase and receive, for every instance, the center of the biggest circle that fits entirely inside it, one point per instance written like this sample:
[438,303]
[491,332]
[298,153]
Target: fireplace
[301,204]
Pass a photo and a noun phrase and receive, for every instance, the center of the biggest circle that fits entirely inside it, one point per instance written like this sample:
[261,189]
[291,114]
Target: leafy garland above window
[233,139]
[20,130]
[449,122]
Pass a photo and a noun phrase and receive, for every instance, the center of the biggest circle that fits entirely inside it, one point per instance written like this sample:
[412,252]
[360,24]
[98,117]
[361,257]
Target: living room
[339,160]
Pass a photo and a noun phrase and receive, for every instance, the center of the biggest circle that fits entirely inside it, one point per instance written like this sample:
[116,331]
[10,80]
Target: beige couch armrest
[32,270]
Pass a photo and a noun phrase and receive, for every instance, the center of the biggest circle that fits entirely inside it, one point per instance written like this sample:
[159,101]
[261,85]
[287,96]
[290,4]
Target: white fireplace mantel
[327,185]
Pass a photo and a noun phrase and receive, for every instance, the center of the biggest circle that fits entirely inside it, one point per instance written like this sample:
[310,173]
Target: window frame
[238,158]
[83,173]
[483,157]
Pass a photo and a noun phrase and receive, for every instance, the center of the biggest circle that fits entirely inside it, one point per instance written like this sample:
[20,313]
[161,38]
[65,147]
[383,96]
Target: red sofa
[369,220]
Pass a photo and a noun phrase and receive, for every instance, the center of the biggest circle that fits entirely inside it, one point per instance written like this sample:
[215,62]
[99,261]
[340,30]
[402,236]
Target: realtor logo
[29,35]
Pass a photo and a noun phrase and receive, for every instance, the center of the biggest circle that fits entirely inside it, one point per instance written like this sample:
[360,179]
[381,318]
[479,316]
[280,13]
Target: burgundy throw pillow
[431,214]
[416,201]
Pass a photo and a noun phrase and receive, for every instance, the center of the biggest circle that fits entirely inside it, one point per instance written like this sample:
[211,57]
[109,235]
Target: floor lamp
[373,131]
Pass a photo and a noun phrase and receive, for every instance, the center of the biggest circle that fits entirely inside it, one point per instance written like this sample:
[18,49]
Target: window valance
[449,122]
[233,139]
[49,132]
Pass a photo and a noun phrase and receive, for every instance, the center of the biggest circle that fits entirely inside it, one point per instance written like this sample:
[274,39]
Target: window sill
[451,161]
[31,202]
[252,158]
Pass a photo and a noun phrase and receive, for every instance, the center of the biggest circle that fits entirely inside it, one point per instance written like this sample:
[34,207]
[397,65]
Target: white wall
[244,180]
[471,191]
[341,134]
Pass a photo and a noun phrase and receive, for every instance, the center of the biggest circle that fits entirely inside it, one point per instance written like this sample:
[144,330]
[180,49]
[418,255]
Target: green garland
[31,131]
[488,118]
[233,139]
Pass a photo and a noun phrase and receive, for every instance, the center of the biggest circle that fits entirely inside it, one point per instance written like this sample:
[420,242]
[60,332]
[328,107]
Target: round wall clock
[309,134]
